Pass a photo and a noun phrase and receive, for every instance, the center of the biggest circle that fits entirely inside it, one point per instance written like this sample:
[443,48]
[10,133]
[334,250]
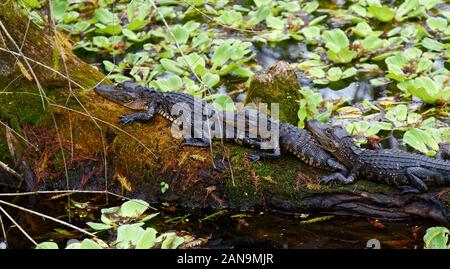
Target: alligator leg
[256,143]
[337,166]
[337,177]
[444,152]
[417,175]
[195,142]
[140,116]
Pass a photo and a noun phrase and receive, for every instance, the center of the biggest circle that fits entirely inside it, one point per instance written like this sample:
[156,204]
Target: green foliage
[436,238]
[127,220]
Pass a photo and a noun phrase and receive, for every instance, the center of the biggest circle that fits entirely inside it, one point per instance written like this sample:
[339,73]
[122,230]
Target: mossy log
[89,151]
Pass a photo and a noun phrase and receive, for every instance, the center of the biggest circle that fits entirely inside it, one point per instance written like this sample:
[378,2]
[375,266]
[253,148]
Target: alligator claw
[254,157]
[125,119]
[336,177]
[325,180]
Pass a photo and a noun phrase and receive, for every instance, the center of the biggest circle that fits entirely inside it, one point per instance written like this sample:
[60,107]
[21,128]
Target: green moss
[17,109]
[277,85]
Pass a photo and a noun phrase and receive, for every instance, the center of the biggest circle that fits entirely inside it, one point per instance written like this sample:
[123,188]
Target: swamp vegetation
[379,68]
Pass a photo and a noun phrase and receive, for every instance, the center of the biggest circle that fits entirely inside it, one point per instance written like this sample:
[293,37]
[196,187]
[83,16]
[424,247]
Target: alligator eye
[328,131]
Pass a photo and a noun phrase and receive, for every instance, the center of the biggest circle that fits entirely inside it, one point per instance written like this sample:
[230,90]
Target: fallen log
[73,141]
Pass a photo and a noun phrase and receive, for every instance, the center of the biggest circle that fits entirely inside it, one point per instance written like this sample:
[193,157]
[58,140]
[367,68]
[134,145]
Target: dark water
[259,229]
[273,230]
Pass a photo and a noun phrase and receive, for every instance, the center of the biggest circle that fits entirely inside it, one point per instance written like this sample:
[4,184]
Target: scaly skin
[291,138]
[406,170]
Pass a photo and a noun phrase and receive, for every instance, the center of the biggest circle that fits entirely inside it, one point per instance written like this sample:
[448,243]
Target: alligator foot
[337,177]
[408,189]
[254,157]
[195,142]
[140,116]
[265,155]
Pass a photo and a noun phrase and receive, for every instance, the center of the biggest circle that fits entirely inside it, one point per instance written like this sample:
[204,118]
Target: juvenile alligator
[406,170]
[291,138]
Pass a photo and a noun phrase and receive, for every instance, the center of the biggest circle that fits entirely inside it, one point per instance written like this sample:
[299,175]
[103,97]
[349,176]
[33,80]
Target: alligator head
[336,140]
[128,94]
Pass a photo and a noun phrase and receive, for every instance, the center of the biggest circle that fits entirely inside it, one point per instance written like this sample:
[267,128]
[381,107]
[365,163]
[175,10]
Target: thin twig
[97,119]
[47,217]
[3,230]
[18,226]
[10,171]
[41,90]
[68,192]
[19,135]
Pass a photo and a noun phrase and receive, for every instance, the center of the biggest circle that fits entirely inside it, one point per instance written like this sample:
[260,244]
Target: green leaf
[260,15]
[275,23]
[382,13]
[260,3]
[436,238]
[310,7]
[311,33]
[317,20]
[47,245]
[363,29]
[109,66]
[405,8]
[128,235]
[231,17]
[335,40]
[59,8]
[224,102]
[99,226]
[115,29]
[136,25]
[349,72]
[171,241]
[171,83]
[345,55]
[242,72]
[180,33]
[130,34]
[105,16]
[147,239]
[221,55]
[437,24]
[90,244]
[210,79]
[171,66]
[358,9]
[201,40]
[32,3]
[133,208]
[317,72]
[101,41]
[194,61]
[334,74]
[421,140]
[397,115]
[372,43]
[432,44]
[292,6]
[422,87]
[149,217]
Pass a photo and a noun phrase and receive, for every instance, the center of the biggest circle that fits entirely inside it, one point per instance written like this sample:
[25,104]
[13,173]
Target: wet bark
[78,145]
